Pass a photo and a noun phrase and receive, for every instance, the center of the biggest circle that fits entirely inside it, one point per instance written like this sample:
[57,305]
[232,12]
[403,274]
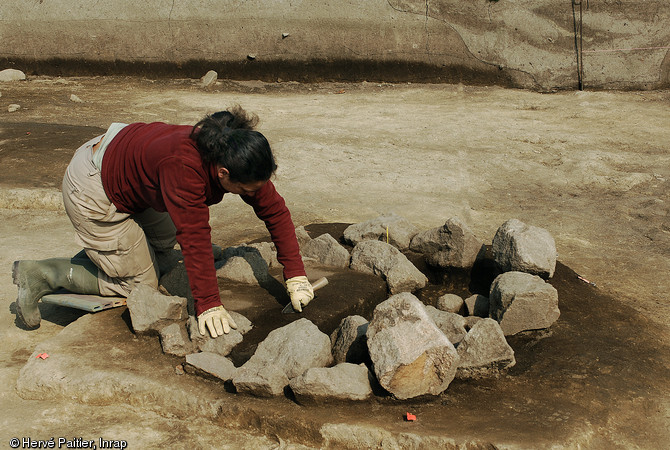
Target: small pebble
[13,107]
[179,369]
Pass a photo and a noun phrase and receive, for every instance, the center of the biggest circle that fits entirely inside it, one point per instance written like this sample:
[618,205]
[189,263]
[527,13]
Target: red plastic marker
[42,355]
[410,417]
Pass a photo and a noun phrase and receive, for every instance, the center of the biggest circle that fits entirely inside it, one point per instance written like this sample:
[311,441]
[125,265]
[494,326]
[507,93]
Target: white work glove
[301,292]
[217,320]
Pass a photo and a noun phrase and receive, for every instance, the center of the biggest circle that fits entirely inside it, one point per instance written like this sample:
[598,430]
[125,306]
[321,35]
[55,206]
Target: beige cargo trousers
[122,245]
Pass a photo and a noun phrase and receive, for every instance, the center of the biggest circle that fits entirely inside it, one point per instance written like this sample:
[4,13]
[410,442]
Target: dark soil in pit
[572,374]
[348,292]
[26,163]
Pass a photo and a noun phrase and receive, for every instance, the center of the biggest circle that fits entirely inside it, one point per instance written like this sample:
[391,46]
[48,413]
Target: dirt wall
[539,44]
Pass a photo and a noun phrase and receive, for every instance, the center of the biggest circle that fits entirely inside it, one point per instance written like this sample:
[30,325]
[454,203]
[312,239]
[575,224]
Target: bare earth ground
[590,167]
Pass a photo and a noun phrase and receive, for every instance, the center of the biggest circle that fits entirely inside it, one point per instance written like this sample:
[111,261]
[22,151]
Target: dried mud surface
[591,167]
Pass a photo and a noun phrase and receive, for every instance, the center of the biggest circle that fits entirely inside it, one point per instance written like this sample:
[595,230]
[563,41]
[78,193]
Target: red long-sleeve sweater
[158,166]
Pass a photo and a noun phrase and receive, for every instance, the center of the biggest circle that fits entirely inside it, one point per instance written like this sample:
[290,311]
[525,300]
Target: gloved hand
[301,292]
[217,320]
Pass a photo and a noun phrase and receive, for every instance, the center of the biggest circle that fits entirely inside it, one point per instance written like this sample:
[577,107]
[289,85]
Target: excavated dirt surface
[591,167]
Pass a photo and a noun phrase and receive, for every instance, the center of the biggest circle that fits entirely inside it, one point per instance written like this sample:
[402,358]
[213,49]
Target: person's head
[241,155]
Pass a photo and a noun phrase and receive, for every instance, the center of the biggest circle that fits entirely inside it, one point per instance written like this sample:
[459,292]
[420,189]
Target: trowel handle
[318,284]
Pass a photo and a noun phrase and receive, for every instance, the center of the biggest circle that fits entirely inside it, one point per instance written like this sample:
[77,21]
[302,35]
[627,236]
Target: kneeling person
[139,189]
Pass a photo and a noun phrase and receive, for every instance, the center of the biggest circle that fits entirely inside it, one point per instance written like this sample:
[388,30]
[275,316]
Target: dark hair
[228,138]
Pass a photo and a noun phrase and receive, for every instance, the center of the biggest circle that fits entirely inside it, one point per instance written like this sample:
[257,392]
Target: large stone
[451,245]
[267,251]
[250,269]
[520,301]
[175,339]
[291,349]
[12,75]
[524,248]
[322,385]
[150,310]
[411,356]
[326,250]
[380,258]
[451,324]
[477,305]
[450,303]
[349,341]
[210,365]
[221,345]
[391,228]
[484,352]
[269,381]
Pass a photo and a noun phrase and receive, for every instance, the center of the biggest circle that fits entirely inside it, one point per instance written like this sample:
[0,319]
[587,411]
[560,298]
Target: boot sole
[19,313]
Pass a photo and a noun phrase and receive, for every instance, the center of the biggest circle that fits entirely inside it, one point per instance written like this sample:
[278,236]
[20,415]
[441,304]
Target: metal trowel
[318,284]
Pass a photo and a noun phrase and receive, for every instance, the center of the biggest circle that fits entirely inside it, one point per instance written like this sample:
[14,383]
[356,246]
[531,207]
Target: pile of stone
[407,348]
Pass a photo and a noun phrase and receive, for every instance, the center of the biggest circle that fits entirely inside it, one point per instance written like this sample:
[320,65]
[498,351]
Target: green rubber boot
[36,279]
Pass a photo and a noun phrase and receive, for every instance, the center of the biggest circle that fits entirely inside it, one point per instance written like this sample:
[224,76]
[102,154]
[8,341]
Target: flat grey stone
[450,303]
[411,356]
[211,364]
[451,245]
[150,310]
[520,301]
[175,341]
[267,251]
[348,340]
[326,250]
[400,231]
[291,350]
[382,259]
[524,248]
[221,345]
[344,382]
[268,381]
[484,352]
[477,305]
[250,269]
[451,324]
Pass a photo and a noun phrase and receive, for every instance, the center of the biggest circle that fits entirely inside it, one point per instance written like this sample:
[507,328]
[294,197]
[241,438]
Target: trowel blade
[288,309]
